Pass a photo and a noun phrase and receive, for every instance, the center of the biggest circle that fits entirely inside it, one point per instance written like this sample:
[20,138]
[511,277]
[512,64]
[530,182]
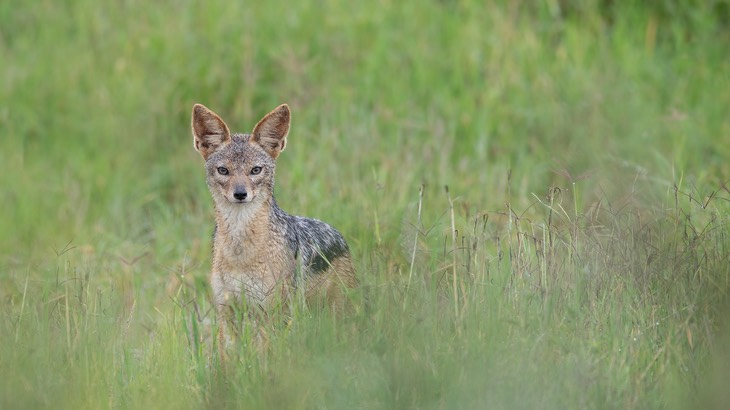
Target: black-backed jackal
[261,254]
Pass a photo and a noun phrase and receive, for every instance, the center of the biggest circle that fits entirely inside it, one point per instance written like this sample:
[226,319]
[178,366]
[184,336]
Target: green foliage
[579,258]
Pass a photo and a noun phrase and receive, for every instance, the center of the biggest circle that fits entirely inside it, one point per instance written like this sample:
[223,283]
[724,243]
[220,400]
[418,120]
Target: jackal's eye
[223,170]
[255,170]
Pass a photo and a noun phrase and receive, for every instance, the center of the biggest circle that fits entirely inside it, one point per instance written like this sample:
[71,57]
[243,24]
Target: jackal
[261,254]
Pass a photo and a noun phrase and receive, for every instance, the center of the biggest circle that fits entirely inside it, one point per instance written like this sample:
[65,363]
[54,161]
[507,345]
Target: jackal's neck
[243,220]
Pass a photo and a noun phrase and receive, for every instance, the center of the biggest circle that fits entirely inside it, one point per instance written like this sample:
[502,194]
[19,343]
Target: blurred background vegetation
[589,140]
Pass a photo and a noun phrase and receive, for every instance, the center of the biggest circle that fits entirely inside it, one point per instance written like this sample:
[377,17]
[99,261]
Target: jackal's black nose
[240,194]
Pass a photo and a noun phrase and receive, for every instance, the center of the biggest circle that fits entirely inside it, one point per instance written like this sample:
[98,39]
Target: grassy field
[579,257]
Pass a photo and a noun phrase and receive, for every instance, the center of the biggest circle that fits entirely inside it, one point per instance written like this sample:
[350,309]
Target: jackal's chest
[254,273]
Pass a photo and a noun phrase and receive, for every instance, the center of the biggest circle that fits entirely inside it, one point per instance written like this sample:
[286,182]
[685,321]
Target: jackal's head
[240,167]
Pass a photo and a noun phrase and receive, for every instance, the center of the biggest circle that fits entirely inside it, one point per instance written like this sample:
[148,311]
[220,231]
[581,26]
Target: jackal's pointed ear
[209,130]
[270,133]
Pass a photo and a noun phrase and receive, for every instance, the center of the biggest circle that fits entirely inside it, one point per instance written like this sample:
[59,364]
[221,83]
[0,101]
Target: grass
[577,259]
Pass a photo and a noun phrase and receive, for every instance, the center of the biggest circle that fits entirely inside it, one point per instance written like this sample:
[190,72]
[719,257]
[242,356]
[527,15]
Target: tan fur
[253,259]
[251,253]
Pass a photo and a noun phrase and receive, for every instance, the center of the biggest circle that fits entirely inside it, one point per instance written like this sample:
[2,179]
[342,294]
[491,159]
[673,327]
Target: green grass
[578,260]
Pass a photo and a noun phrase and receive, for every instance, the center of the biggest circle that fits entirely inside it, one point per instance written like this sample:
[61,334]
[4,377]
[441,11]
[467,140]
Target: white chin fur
[235,212]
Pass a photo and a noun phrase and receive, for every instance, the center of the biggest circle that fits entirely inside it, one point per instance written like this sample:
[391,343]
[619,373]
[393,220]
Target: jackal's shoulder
[316,243]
